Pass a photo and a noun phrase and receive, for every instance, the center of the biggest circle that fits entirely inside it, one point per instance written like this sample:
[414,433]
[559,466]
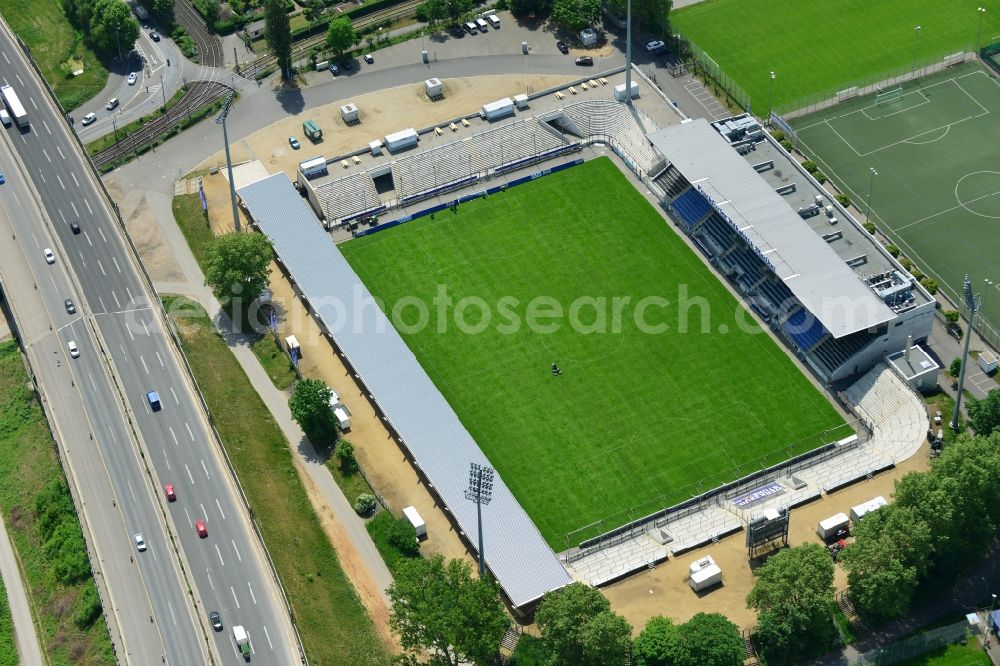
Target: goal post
[890,95]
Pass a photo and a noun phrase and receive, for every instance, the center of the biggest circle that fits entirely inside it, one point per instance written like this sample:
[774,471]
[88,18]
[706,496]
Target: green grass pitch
[638,417]
[937,193]
[815,45]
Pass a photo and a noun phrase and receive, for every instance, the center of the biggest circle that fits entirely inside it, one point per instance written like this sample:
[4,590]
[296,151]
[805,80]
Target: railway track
[198,95]
[263,62]
[209,46]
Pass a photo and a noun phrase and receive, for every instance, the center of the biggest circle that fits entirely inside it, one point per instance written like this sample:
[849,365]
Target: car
[369,58]
[89,118]
[216,620]
[154,401]
[70,308]
[334,69]
[457,31]
[132,78]
[50,256]
[74,351]
[654,46]
[74,226]
[3,179]
[112,104]
[585,61]
[154,36]
[563,47]
[294,143]
[5,118]
[200,528]
[169,490]
[140,543]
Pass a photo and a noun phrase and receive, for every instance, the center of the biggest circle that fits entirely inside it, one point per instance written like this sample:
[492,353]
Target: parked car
[154,36]
[5,118]
[169,490]
[132,78]
[369,58]
[200,528]
[140,543]
[89,118]
[74,351]
[294,143]
[50,256]
[585,61]
[334,69]
[70,307]
[74,226]
[563,47]
[457,31]
[654,46]
[216,620]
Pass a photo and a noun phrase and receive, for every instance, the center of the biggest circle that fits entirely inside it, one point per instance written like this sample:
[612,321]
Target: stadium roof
[516,553]
[818,278]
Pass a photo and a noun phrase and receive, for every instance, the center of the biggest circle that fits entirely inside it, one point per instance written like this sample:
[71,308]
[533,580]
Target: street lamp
[979,31]
[973,304]
[770,88]
[916,40]
[221,120]
[480,491]
[871,184]
[163,91]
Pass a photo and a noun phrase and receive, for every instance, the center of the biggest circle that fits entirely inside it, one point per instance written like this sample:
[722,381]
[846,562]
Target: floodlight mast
[480,491]
[972,302]
[221,120]
[628,53]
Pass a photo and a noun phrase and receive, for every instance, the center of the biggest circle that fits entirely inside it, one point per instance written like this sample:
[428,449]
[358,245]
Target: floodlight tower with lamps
[972,302]
[628,53]
[770,89]
[916,40]
[480,491]
[871,184]
[221,120]
[979,31]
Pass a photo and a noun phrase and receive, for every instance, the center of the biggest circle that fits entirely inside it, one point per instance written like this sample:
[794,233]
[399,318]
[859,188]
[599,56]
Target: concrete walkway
[25,638]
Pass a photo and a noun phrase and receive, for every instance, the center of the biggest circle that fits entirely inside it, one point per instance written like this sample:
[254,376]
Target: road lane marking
[113,437]
[234,596]
[221,512]
[160,359]
[190,476]
[75,181]
[171,429]
[252,596]
[46,153]
[190,434]
[89,209]
[145,328]
[6,58]
[61,184]
[172,616]
[203,512]
[103,307]
[124,355]
[116,263]
[188,516]
[236,550]
[46,126]
[93,385]
[75,211]
[117,302]
[18,76]
[129,329]
[61,215]
[176,401]
[60,152]
[165,459]
[40,172]
[90,242]
[206,469]
[99,230]
[131,492]
[211,583]
[35,238]
[101,266]
[268,637]
[130,296]
[53,281]
[144,366]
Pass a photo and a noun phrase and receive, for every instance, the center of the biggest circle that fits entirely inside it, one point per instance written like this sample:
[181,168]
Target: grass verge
[108,140]
[334,625]
[379,528]
[8,649]
[275,362]
[352,485]
[846,630]
[53,41]
[71,630]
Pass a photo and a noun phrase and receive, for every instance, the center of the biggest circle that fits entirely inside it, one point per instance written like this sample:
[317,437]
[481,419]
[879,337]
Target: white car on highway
[140,543]
[89,118]
[50,256]
[74,351]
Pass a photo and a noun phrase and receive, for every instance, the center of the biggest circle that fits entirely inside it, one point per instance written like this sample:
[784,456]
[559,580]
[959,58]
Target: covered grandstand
[837,318]
[423,421]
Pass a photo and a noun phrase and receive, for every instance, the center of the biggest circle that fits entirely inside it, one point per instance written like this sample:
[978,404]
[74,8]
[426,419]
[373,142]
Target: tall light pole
[221,120]
[770,89]
[163,91]
[480,491]
[979,31]
[916,40]
[871,184]
[628,52]
[972,302]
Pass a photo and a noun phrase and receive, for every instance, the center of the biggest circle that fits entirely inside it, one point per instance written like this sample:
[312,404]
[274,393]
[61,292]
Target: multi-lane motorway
[124,353]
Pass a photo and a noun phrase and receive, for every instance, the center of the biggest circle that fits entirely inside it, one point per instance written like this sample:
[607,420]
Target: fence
[991,56]
[914,646]
[702,64]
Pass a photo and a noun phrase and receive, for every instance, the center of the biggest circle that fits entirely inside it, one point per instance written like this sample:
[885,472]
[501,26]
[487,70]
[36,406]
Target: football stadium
[651,328]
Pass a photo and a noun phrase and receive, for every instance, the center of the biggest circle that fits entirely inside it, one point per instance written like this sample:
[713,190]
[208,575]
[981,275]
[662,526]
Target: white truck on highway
[242,641]
[14,106]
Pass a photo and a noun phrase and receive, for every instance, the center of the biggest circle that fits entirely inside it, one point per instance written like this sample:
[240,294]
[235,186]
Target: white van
[470,27]
[5,118]
[482,25]
[494,21]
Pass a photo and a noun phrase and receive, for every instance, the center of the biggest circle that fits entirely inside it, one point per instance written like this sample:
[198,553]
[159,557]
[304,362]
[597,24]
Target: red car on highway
[200,528]
[171,495]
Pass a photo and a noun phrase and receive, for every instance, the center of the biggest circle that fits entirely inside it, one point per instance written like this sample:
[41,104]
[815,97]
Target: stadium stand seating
[833,352]
[625,125]
[805,329]
[672,182]
[347,196]
[691,206]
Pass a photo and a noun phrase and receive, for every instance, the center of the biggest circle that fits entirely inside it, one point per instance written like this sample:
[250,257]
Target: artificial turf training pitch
[640,418]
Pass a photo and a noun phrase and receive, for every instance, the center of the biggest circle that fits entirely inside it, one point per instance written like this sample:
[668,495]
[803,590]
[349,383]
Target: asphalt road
[226,568]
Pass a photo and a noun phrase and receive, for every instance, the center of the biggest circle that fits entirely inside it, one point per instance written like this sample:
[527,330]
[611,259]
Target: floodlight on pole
[979,31]
[628,52]
[871,184]
[972,303]
[916,40]
[221,120]
[480,491]
[770,89]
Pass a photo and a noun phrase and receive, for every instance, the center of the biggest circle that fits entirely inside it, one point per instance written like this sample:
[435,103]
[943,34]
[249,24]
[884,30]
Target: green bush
[90,607]
[893,250]
[810,166]
[365,505]
[345,455]
[786,144]
[843,200]
[870,227]
[906,263]
[820,177]
[778,135]
[955,369]
[951,316]
[918,274]
[930,285]
[403,537]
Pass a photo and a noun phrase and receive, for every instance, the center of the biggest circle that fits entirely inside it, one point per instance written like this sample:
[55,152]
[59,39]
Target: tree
[956,367]
[432,11]
[310,407]
[440,608]
[278,32]
[887,560]
[164,9]
[606,639]
[209,9]
[341,36]
[984,415]
[952,317]
[237,265]
[793,597]
[530,7]
[710,639]
[459,8]
[576,14]
[345,456]
[658,644]
[565,616]
[403,537]
[113,28]
[647,13]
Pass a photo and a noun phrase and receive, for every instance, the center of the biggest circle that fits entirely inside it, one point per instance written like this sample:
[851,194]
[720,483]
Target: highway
[226,570]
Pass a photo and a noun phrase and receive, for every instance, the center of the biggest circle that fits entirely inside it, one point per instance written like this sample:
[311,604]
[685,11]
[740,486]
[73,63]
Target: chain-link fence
[914,646]
[991,56]
[702,65]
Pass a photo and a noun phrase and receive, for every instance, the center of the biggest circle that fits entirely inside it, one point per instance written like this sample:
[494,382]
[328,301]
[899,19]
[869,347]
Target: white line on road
[61,184]
[114,438]
[221,512]
[53,281]
[19,79]
[93,384]
[236,550]
[202,507]
[172,616]
[124,355]
[60,152]
[166,459]
[89,242]
[160,359]
[103,307]
[116,263]
[144,366]
[252,596]
[99,230]
[6,58]
[117,302]
[101,266]
[146,328]
[190,476]
[190,434]
[30,99]
[131,492]
[46,126]
[89,209]
[129,329]
[211,583]
[188,515]
[205,468]
[40,172]
[234,596]
[129,292]
[176,401]
[72,205]
[171,429]
[46,153]
[35,238]
[73,175]
[62,216]
[268,636]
